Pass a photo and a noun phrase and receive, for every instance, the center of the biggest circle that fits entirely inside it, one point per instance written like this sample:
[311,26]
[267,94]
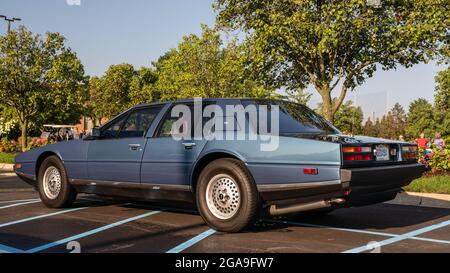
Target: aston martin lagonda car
[232,181]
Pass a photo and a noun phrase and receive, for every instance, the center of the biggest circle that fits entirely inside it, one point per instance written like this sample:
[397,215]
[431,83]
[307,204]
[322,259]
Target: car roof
[177,101]
[205,100]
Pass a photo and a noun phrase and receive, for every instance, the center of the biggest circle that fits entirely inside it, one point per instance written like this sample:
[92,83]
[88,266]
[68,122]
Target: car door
[169,161]
[117,155]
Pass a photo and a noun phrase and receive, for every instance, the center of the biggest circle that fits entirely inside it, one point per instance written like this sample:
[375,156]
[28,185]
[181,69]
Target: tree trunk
[327,104]
[24,143]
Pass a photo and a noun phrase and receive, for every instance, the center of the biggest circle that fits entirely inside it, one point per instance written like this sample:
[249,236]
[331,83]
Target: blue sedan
[233,180]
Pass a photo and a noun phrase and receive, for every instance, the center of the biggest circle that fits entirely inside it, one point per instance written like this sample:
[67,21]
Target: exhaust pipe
[274,210]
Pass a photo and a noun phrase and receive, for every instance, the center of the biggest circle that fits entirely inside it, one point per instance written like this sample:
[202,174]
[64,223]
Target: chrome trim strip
[128,185]
[297,186]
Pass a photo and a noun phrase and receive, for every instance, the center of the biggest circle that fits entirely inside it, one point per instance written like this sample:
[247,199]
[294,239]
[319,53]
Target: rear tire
[227,197]
[53,185]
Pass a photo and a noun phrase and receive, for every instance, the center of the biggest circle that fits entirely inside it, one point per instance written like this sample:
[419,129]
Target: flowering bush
[8,146]
[14,146]
[37,142]
[6,125]
[438,160]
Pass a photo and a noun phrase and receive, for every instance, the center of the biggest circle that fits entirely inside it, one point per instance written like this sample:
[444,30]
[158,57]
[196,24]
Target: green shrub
[439,161]
[36,142]
[7,158]
[8,146]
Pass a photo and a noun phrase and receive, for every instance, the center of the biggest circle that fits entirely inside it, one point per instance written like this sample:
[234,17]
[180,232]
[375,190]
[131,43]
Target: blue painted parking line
[20,204]
[191,242]
[17,201]
[40,217]
[355,230]
[401,237]
[91,232]
[8,249]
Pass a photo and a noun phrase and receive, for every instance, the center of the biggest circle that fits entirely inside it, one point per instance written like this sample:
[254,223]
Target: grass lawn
[7,158]
[431,184]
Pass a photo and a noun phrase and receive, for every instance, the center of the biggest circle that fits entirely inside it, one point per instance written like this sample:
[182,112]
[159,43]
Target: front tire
[53,185]
[227,197]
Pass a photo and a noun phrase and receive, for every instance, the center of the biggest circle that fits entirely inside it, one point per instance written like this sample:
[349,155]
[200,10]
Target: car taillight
[410,152]
[357,153]
[357,149]
[358,157]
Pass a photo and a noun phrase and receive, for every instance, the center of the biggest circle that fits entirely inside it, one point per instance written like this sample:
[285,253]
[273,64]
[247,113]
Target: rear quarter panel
[285,164]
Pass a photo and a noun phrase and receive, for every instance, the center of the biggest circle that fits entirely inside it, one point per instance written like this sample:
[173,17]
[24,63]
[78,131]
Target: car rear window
[295,118]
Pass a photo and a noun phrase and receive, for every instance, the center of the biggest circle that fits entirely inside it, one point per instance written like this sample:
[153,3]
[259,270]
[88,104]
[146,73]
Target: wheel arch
[41,159]
[204,160]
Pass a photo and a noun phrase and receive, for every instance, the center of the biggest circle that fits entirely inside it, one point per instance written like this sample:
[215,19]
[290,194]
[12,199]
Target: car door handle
[134,147]
[189,146]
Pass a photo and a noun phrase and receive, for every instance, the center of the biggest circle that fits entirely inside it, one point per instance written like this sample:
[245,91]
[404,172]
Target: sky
[106,32]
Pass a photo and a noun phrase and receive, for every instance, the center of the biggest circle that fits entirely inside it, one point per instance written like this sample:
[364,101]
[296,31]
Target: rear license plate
[382,153]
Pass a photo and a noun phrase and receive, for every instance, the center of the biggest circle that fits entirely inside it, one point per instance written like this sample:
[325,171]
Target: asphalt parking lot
[97,224]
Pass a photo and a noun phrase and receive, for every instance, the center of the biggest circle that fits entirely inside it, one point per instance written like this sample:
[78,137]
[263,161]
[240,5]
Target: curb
[438,196]
[422,200]
[6,167]
[7,174]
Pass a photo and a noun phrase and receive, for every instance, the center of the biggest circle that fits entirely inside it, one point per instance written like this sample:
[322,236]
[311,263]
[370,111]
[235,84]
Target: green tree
[121,87]
[394,123]
[385,127]
[109,95]
[95,104]
[420,118]
[142,87]
[40,78]
[348,118]
[115,88]
[370,129]
[205,67]
[335,44]
[442,102]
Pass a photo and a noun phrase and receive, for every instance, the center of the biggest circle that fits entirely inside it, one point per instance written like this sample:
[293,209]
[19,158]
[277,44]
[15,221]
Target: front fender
[72,153]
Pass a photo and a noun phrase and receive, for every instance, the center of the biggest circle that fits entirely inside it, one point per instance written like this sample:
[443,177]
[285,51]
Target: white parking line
[356,231]
[17,201]
[19,204]
[91,232]
[323,226]
[401,237]
[40,217]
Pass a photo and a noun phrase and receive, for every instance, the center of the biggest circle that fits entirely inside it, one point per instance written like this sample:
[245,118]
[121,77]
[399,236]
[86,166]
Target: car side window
[165,129]
[167,124]
[138,122]
[113,129]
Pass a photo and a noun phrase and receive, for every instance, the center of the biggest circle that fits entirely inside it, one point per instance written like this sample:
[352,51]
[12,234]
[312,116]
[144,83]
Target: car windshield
[295,118]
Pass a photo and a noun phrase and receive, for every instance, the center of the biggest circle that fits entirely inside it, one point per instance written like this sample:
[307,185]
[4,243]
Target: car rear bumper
[295,193]
[359,187]
[378,184]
